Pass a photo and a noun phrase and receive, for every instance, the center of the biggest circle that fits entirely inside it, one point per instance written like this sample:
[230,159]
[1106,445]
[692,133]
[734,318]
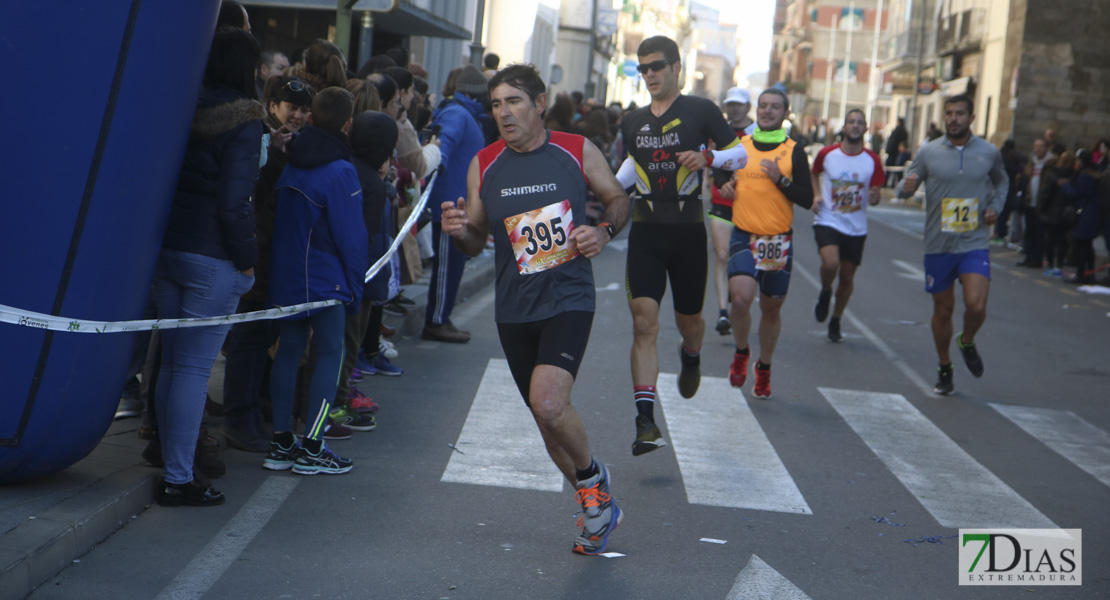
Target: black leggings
[1084,258]
[1056,245]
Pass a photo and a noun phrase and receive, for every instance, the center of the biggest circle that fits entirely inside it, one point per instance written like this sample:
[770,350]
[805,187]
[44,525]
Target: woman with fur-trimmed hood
[208,253]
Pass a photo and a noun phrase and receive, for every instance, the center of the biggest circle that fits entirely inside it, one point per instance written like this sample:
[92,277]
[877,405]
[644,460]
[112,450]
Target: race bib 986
[541,237]
[770,251]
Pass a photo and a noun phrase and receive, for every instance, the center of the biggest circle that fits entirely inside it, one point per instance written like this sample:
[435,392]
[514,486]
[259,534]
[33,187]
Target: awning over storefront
[401,17]
[409,19]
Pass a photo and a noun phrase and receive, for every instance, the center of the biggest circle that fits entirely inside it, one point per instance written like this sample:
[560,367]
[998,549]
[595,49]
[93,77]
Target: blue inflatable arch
[99,107]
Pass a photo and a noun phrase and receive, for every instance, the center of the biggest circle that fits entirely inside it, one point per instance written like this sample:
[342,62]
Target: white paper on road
[723,453]
[955,488]
[1070,435]
[500,444]
[759,581]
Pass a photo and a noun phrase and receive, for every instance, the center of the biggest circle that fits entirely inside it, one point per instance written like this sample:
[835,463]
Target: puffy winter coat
[319,249]
[212,213]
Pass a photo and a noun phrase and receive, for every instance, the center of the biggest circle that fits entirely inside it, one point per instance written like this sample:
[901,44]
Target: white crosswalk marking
[500,444]
[955,488]
[1070,435]
[724,456]
[760,581]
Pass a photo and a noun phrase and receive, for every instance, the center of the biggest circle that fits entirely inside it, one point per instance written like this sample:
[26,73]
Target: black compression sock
[583,475]
[285,438]
[312,445]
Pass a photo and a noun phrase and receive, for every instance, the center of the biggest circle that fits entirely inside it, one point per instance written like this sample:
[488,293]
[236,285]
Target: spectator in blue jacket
[318,252]
[1082,192]
[208,253]
[460,139]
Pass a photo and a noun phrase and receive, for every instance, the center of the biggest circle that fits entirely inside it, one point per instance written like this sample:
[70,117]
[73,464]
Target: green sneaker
[971,356]
[648,437]
[351,418]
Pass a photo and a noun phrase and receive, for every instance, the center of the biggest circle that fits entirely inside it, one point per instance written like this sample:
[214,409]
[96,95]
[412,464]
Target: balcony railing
[960,31]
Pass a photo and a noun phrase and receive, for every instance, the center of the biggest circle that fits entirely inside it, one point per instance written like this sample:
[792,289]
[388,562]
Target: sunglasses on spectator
[655,65]
[300,86]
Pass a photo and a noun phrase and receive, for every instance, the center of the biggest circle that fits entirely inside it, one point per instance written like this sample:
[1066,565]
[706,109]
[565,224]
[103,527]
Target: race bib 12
[959,215]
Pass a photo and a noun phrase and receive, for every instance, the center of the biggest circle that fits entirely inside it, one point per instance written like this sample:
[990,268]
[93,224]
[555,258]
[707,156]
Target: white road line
[723,453]
[500,444]
[889,211]
[760,581]
[955,488]
[194,581]
[905,368]
[1070,435]
[912,272]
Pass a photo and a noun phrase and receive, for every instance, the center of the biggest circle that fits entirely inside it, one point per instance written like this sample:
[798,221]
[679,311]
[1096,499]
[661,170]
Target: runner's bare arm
[815,179]
[465,220]
[617,205]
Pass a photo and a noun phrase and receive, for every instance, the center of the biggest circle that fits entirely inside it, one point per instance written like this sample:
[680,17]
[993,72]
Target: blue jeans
[189,285]
[328,333]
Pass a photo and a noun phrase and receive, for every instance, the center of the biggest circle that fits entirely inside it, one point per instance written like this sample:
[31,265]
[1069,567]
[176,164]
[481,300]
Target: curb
[478,274]
[37,550]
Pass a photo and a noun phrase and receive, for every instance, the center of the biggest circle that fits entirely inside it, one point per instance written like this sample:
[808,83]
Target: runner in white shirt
[851,173]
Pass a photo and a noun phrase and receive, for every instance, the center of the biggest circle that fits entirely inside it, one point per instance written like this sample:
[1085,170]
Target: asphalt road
[840,486]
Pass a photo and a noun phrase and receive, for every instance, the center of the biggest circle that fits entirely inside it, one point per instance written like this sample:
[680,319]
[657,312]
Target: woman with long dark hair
[208,253]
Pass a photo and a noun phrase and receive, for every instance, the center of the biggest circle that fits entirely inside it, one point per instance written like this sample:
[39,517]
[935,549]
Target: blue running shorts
[942,269]
[773,282]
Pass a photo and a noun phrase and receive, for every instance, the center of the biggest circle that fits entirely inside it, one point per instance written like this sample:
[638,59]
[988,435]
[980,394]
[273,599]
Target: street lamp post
[476,47]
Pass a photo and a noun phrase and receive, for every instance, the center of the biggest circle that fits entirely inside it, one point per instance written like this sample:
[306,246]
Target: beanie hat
[472,82]
[373,137]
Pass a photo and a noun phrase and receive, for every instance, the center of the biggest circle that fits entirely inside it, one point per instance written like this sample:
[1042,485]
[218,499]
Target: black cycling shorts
[559,341]
[722,212]
[657,251]
[851,246]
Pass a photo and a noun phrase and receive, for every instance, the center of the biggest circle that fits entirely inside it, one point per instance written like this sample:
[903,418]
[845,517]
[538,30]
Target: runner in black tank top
[530,190]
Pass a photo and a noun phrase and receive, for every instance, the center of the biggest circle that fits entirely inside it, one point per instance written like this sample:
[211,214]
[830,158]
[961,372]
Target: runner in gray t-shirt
[965,189]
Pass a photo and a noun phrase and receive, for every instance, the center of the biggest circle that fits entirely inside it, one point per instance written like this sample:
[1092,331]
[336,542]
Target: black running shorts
[559,341]
[657,251]
[722,212]
[851,246]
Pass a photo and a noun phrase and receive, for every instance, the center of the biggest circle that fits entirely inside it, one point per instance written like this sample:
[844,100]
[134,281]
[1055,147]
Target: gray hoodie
[950,175]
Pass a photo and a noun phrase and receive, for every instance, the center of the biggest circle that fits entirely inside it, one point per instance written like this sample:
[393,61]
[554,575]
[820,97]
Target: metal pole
[847,64]
[829,73]
[476,47]
[343,26]
[365,39]
[911,144]
[872,85]
[590,88]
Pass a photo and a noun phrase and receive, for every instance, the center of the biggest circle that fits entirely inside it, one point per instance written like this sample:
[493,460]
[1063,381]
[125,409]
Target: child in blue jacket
[319,252]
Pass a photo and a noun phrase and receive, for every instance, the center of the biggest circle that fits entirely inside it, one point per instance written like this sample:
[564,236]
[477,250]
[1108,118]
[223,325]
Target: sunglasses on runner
[655,65]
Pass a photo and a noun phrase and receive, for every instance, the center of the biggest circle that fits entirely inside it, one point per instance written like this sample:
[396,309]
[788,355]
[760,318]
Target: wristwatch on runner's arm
[608,227]
[784,182]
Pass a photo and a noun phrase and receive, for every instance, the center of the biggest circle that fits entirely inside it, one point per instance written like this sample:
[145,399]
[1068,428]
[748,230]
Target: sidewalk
[50,523]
